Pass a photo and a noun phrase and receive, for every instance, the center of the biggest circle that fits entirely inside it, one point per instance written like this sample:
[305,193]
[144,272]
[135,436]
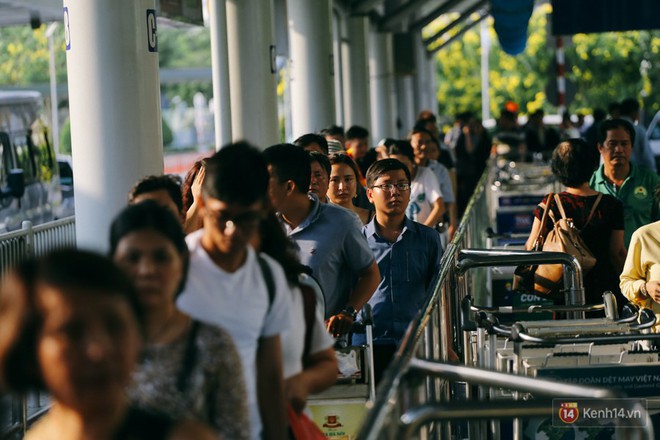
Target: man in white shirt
[230,287]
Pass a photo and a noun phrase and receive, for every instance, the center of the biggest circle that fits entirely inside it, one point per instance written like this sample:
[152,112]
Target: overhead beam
[400,13]
[442,9]
[482,15]
[364,6]
[480,4]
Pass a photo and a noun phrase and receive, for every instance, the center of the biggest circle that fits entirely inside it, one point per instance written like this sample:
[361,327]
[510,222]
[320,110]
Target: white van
[29,176]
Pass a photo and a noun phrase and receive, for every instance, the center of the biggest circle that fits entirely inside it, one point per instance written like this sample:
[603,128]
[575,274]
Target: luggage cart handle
[647,318]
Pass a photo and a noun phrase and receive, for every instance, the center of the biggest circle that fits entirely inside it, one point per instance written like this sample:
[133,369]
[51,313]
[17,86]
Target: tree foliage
[602,68]
[24,55]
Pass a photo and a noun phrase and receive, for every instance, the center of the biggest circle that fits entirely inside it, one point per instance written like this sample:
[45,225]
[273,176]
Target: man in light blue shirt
[328,237]
[408,256]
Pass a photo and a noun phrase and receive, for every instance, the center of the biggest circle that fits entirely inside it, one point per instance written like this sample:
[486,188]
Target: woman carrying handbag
[601,229]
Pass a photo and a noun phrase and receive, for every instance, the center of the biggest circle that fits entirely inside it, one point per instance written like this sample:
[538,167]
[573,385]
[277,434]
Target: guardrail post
[29,238]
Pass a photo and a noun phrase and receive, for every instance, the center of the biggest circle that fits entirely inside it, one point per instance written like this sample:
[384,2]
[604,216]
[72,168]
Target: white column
[422,82]
[220,69]
[485,51]
[114,100]
[383,95]
[405,101]
[356,74]
[252,71]
[338,71]
[312,81]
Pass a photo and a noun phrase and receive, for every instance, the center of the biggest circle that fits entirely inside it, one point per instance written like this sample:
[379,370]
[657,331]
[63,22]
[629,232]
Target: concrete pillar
[312,87]
[422,82]
[220,69]
[405,99]
[114,100]
[383,94]
[338,71]
[356,74]
[252,71]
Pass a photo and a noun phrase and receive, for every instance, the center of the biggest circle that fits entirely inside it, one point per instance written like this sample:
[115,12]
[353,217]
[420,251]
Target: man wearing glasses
[231,286]
[619,177]
[408,256]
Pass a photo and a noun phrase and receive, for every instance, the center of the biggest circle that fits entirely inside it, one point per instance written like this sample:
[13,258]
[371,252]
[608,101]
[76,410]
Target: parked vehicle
[29,177]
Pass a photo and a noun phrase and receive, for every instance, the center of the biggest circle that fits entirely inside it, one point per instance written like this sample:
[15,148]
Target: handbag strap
[593,210]
[591,213]
[544,218]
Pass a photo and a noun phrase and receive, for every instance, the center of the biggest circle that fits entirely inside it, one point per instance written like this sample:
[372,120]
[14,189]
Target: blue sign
[152,33]
[67,29]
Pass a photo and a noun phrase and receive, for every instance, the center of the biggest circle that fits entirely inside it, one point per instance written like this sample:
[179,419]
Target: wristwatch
[643,290]
[350,311]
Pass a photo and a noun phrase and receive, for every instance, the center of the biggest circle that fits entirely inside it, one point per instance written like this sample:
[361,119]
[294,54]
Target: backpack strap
[189,357]
[593,210]
[268,279]
[309,307]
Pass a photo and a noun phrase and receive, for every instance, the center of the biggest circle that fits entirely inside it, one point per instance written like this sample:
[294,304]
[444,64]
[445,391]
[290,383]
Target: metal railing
[29,241]
[33,241]
[415,394]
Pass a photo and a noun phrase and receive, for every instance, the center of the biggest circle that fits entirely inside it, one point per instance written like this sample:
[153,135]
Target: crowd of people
[216,311]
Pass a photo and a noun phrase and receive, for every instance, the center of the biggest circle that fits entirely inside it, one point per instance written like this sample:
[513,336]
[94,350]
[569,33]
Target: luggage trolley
[600,351]
[340,410]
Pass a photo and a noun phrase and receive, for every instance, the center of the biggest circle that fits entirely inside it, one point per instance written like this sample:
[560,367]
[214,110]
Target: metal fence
[32,241]
[16,413]
[420,393]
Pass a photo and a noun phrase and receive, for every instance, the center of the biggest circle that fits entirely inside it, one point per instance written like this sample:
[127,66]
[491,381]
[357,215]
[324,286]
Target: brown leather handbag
[563,237]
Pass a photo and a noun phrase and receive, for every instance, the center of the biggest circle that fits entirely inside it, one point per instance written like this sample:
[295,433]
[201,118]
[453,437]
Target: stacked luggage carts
[614,352]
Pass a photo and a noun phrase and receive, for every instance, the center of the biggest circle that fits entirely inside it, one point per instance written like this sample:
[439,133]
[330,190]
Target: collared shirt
[636,194]
[407,268]
[330,242]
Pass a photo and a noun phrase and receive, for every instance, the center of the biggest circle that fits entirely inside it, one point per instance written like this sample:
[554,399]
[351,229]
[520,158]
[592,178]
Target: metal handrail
[471,258]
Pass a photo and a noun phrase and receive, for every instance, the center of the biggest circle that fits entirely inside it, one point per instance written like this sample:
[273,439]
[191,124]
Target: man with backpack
[232,286]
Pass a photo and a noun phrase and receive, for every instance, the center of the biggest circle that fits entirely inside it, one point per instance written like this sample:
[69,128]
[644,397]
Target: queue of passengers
[216,311]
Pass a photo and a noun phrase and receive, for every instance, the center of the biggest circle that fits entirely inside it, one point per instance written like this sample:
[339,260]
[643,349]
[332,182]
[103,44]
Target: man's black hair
[357,132]
[613,107]
[289,162]
[419,128]
[383,166]
[168,182]
[599,114]
[322,159]
[629,107]
[612,124]
[403,148]
[236,174]
[312,138]
[333,130]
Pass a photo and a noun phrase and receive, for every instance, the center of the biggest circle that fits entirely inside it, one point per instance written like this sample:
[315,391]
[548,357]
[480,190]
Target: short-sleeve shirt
[636,194]
[407,268]
[608,217]
[330,241]
[424,191]
[442,174]
[293,340]
[238,302]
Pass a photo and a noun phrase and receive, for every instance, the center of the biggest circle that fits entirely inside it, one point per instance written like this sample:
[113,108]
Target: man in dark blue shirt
[408,256]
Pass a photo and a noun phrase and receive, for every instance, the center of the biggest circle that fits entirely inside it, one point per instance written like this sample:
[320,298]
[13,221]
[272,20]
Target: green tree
[602,67]
[24,55]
